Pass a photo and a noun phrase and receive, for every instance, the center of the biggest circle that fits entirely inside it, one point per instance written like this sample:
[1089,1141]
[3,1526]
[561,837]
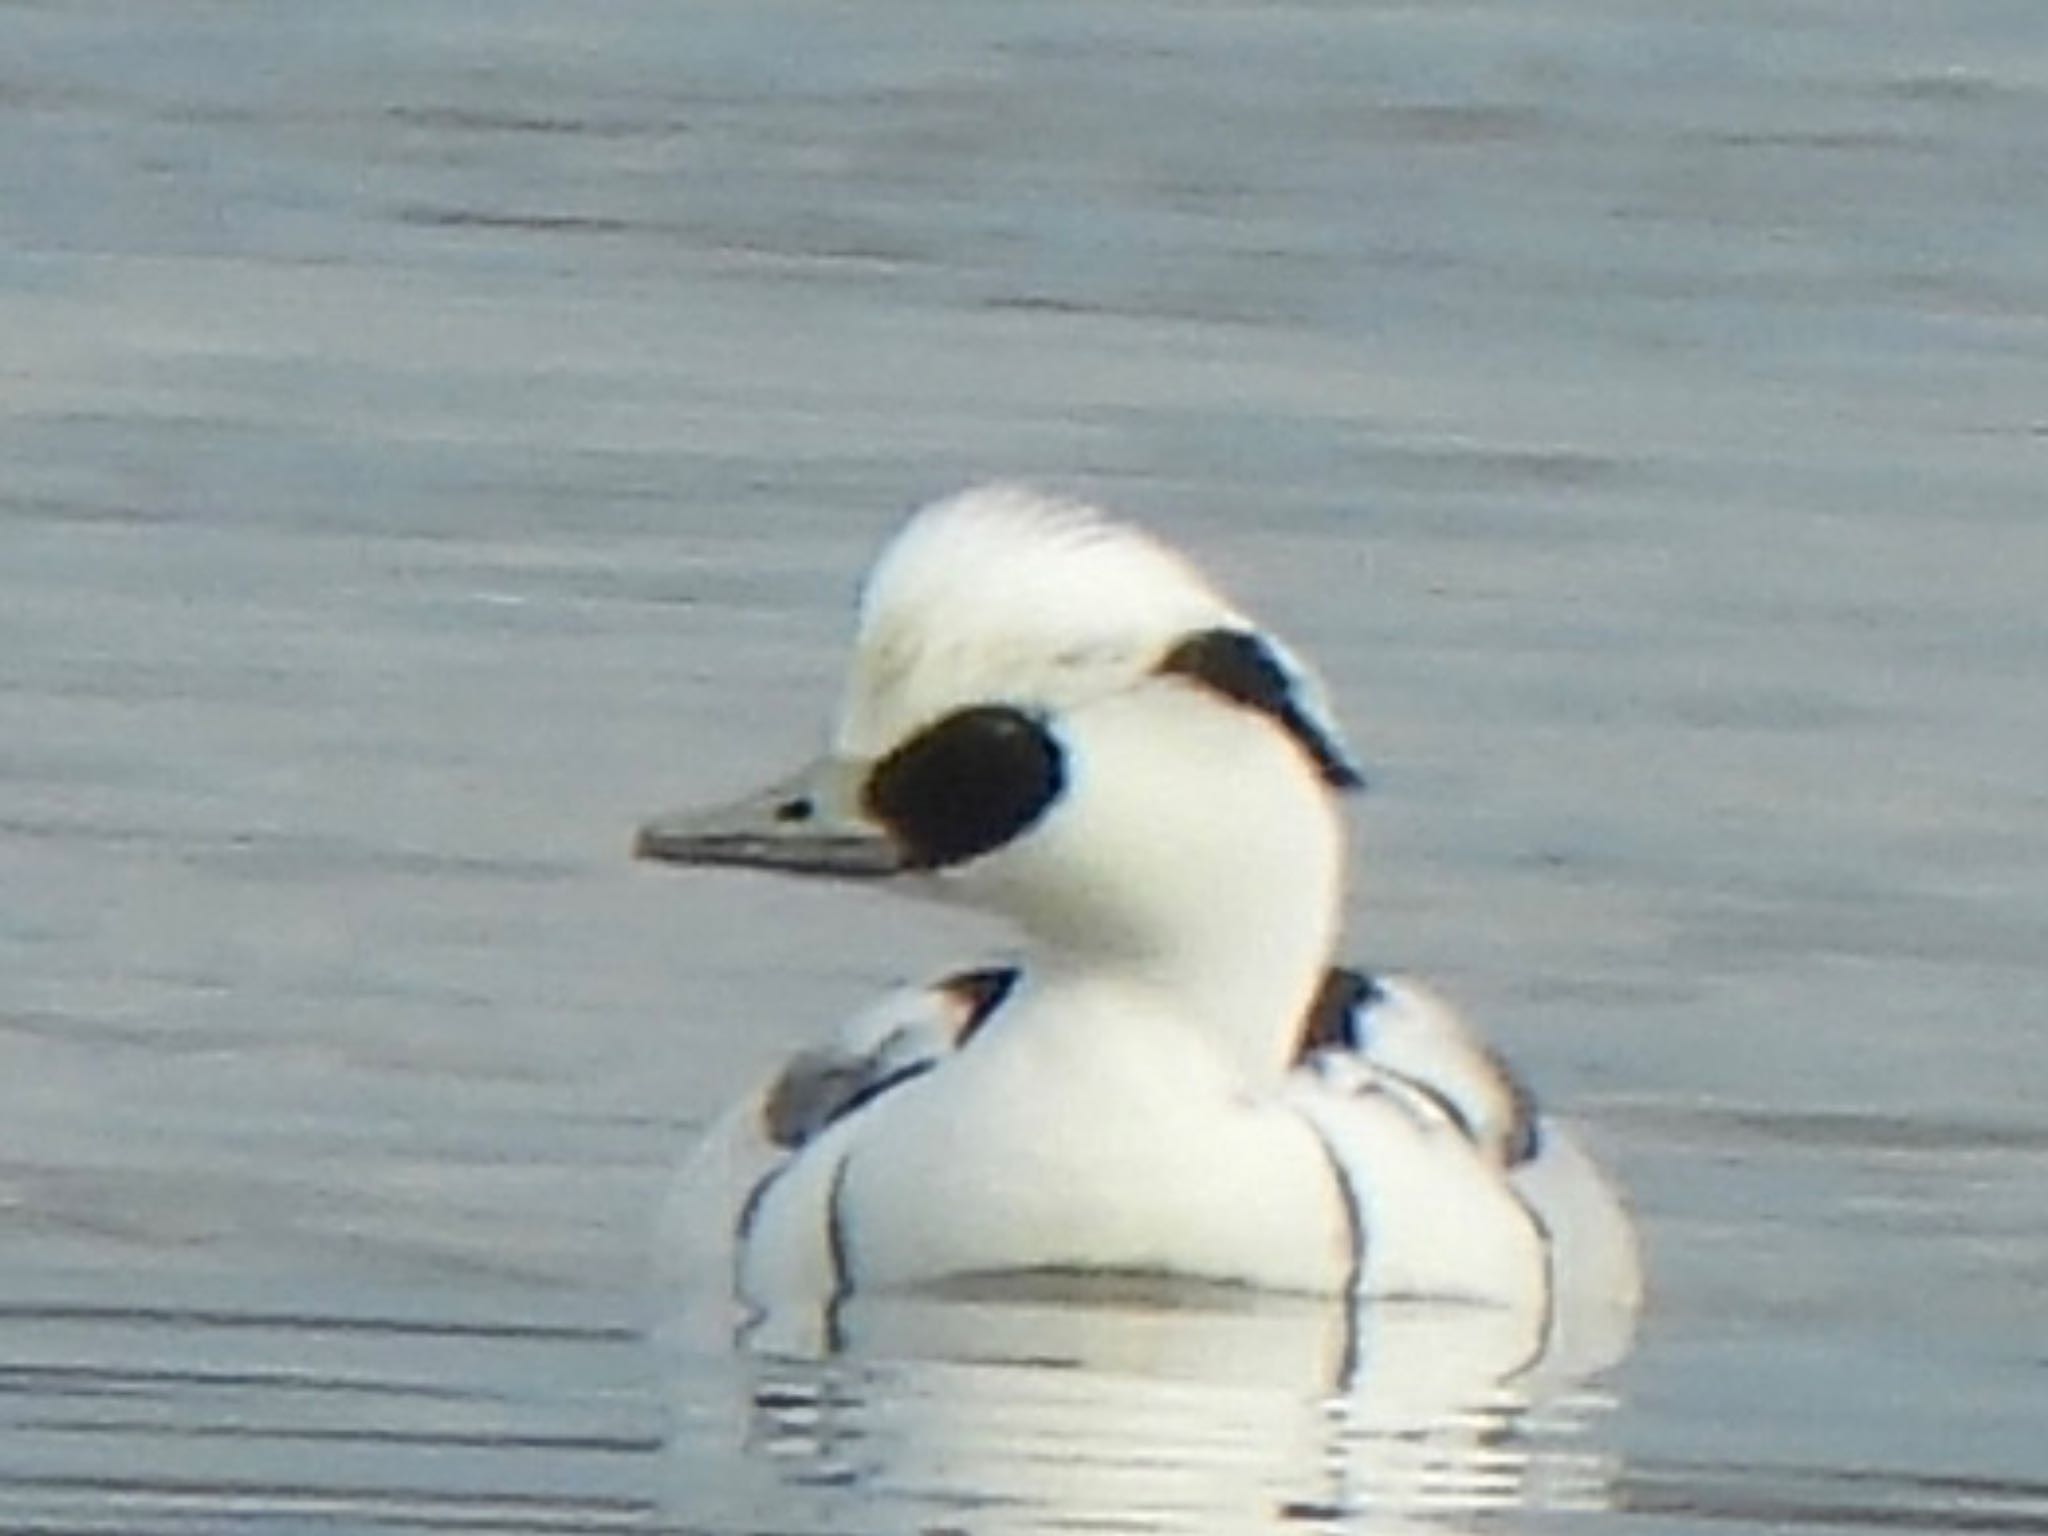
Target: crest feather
[1004,595]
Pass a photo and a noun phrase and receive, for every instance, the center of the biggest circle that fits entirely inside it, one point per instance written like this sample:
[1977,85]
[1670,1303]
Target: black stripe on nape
[1243,668]
[966,784]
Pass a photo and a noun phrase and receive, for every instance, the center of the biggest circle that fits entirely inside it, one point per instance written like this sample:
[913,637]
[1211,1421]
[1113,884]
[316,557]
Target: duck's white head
[1053,716]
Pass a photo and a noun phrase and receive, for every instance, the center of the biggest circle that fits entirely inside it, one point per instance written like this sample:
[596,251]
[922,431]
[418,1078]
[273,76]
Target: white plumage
[1052,716]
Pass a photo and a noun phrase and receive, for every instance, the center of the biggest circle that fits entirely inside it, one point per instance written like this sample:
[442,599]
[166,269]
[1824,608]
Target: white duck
[1053,717]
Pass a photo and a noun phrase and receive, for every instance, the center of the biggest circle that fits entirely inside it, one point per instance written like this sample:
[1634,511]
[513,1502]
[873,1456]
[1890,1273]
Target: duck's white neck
[1195,856]
[1241,987]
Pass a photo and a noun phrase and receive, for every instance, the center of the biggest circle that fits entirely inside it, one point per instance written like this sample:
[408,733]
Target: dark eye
[966,784]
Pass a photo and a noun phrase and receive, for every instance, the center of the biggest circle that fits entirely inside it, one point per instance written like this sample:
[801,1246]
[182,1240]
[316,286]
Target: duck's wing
[1393,1036]
[905,1034]
[902,1035]
[1403,1035]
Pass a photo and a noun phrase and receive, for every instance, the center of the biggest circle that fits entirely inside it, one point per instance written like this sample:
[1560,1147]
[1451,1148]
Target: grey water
[434,436]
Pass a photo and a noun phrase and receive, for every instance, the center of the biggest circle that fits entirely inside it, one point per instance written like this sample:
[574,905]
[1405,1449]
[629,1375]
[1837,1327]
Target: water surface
[435,437]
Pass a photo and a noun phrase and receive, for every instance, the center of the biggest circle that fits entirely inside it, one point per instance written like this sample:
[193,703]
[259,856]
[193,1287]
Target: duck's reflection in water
[1044,1402]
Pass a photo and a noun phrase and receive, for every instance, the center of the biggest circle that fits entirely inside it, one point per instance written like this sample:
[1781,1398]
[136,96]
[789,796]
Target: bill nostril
[799,809]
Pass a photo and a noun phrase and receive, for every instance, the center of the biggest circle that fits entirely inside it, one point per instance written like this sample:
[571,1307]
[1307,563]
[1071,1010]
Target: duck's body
[1057,1140]
[1055,718]
[1419,1162]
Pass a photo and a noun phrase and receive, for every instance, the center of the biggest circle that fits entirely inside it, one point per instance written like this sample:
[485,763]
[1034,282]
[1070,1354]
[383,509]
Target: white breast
[1061,1143]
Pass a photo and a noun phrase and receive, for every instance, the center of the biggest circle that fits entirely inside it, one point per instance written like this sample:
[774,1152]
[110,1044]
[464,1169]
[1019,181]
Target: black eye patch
[966,784]
[1243,669]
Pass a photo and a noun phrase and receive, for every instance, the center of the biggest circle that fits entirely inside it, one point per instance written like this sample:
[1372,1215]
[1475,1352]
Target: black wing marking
[981,992]
[822,1085]
[1524,1137]
[1339,1022]
[1331,1023]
